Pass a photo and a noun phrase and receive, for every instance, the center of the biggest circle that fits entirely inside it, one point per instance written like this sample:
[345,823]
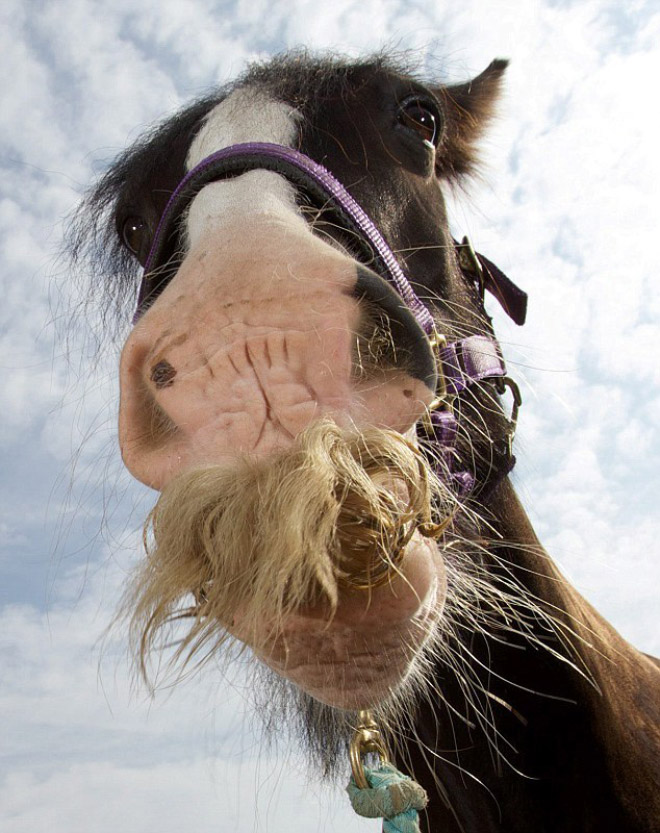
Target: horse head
[313,385]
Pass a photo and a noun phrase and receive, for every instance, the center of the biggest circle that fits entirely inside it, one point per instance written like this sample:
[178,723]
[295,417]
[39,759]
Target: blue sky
[567,206]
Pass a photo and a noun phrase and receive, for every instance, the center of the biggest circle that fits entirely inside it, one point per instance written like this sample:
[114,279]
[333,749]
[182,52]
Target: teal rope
[392,796]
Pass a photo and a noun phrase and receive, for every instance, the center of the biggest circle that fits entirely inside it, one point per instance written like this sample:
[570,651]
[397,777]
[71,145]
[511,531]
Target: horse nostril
[162,374]
[410,348]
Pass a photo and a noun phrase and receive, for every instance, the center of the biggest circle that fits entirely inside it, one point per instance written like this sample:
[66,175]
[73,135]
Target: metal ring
[469,262]
[366,740]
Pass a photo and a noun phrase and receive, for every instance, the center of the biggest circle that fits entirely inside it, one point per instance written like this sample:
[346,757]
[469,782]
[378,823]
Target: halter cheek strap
[466,363]
[489,277]
[460,364]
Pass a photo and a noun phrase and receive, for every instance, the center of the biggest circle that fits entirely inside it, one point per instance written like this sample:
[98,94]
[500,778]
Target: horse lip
[406,331]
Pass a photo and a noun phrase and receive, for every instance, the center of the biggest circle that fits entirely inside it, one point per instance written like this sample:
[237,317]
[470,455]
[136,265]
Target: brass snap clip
[443,399]
[366,740]
[507,382]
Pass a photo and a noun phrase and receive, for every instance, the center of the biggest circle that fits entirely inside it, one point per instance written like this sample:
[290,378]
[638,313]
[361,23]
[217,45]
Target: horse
[313,385]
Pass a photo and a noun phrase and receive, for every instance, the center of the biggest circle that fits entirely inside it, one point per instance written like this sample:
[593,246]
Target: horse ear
[469,109]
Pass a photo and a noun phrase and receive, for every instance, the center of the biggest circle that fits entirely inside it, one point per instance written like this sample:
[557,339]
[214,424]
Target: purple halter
[459,364]
[302,170]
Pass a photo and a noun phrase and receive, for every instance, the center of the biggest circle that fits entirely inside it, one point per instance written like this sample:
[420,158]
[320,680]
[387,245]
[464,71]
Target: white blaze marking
[246,115]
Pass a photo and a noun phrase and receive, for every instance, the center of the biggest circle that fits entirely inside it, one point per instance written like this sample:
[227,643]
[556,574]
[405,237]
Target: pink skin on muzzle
[250,342]
[257,340]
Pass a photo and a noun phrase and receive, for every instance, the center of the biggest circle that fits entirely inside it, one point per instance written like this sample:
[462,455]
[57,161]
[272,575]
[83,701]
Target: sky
[567,206]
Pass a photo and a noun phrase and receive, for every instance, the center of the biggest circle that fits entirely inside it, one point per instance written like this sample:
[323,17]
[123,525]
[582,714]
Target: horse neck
[569,738]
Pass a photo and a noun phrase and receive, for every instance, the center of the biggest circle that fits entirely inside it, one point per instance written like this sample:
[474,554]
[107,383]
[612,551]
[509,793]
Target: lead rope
[382,791]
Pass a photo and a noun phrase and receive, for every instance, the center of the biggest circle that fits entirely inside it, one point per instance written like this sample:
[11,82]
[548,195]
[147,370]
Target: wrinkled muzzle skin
[286,464]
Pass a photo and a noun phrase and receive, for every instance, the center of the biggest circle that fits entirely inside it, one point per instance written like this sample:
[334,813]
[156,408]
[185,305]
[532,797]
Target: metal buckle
[366,740]
[469,262]
[442,396]
[503,383]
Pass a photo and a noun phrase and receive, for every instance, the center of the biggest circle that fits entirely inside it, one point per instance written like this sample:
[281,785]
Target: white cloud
[84,750]
[195,794]
[570,212]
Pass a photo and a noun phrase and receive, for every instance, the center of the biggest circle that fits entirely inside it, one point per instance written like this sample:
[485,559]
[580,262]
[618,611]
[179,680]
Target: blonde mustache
[270,537]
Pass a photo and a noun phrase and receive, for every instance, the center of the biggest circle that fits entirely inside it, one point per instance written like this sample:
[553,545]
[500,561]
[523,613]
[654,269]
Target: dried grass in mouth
[263,539]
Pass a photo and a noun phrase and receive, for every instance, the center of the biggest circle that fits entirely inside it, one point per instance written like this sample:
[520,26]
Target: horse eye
[133,233]
[422,117]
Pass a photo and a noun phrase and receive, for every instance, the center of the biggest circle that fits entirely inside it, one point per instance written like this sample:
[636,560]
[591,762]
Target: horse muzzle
[264,326]
[263,329]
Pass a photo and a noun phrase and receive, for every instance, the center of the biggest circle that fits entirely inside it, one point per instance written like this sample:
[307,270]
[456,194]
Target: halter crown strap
[489,277]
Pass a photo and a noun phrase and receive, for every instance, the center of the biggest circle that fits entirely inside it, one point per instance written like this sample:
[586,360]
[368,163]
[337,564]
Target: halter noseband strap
[460,364]
[315,180]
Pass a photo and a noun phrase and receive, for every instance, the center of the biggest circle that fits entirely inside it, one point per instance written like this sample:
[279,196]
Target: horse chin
[363,653]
